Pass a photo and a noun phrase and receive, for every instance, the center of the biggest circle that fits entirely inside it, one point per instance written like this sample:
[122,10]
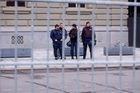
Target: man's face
[61,25]
[88,25]
[57,27]
[73,27]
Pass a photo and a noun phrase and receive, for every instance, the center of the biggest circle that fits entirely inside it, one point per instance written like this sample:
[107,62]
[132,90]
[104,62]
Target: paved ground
[70,85]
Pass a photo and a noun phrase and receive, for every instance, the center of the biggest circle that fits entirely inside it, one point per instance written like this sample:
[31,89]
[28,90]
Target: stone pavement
[70,78]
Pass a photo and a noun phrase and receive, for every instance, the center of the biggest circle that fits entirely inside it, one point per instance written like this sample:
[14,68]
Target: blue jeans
[87,43]
[56,49]
[58,52]
[73,47]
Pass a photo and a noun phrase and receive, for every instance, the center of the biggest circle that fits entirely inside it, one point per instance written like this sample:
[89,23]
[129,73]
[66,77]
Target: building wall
[40,14]
[40,19]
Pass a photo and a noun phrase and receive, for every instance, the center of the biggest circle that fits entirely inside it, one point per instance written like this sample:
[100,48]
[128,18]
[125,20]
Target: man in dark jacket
[56,36]
[73,39]
[87,38]
[61,28]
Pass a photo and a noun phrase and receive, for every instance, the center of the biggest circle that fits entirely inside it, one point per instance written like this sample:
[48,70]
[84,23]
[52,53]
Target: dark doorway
[130,25]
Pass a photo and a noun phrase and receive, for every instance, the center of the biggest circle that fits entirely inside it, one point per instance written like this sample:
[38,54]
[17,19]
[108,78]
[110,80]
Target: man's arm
[66,34]
[94,36]
[52,35]
[70,33]
[82,35]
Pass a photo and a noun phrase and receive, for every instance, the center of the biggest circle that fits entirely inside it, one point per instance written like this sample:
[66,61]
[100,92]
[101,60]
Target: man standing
[87,39]
[61,28]
[65,36]
[73,39]
[56,36]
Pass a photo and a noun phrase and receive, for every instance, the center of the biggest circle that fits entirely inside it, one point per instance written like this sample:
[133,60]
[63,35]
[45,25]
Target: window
[12,3]
[10,7]
[75,5]
[72,5]
[82,5]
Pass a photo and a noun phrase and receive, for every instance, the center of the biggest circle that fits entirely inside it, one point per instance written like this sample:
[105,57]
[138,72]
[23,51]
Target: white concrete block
[118,17]
[117,23]
[20,22]
[44,10]
[52,16]
[115,38]
[118,11]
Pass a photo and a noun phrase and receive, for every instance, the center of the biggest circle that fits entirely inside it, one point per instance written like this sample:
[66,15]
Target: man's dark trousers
[85,44]
[73,48]
[56,52]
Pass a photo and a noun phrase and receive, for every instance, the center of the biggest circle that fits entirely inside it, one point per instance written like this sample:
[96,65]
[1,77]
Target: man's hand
[61,40]
[55,40]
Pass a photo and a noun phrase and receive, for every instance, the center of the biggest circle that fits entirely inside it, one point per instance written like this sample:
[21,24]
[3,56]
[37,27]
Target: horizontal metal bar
[87,2]
[87,62]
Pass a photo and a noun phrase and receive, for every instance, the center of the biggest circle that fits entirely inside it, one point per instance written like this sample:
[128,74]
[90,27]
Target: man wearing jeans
[56,36]
[87,39]
[73,39]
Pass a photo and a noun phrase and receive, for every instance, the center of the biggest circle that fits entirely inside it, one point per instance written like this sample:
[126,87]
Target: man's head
[56,26]
[74,26]
[87,24]
[61,25]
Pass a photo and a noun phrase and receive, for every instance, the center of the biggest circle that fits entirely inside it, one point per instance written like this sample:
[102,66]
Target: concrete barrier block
[115,51]
[10,52]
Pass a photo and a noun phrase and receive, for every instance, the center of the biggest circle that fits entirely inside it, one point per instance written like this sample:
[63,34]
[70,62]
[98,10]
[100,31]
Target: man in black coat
[87,38]
[73,39]
[56,36]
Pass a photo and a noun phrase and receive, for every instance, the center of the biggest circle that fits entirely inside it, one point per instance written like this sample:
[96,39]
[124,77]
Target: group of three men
[86,36]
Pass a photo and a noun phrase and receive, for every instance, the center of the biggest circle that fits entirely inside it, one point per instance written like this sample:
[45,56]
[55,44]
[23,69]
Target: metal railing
[77,62]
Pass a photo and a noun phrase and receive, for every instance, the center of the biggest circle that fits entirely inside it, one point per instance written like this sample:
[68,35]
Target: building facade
[7,17]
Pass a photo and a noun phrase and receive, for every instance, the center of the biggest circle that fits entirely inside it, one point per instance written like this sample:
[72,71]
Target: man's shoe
[72,57]
[56,58]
